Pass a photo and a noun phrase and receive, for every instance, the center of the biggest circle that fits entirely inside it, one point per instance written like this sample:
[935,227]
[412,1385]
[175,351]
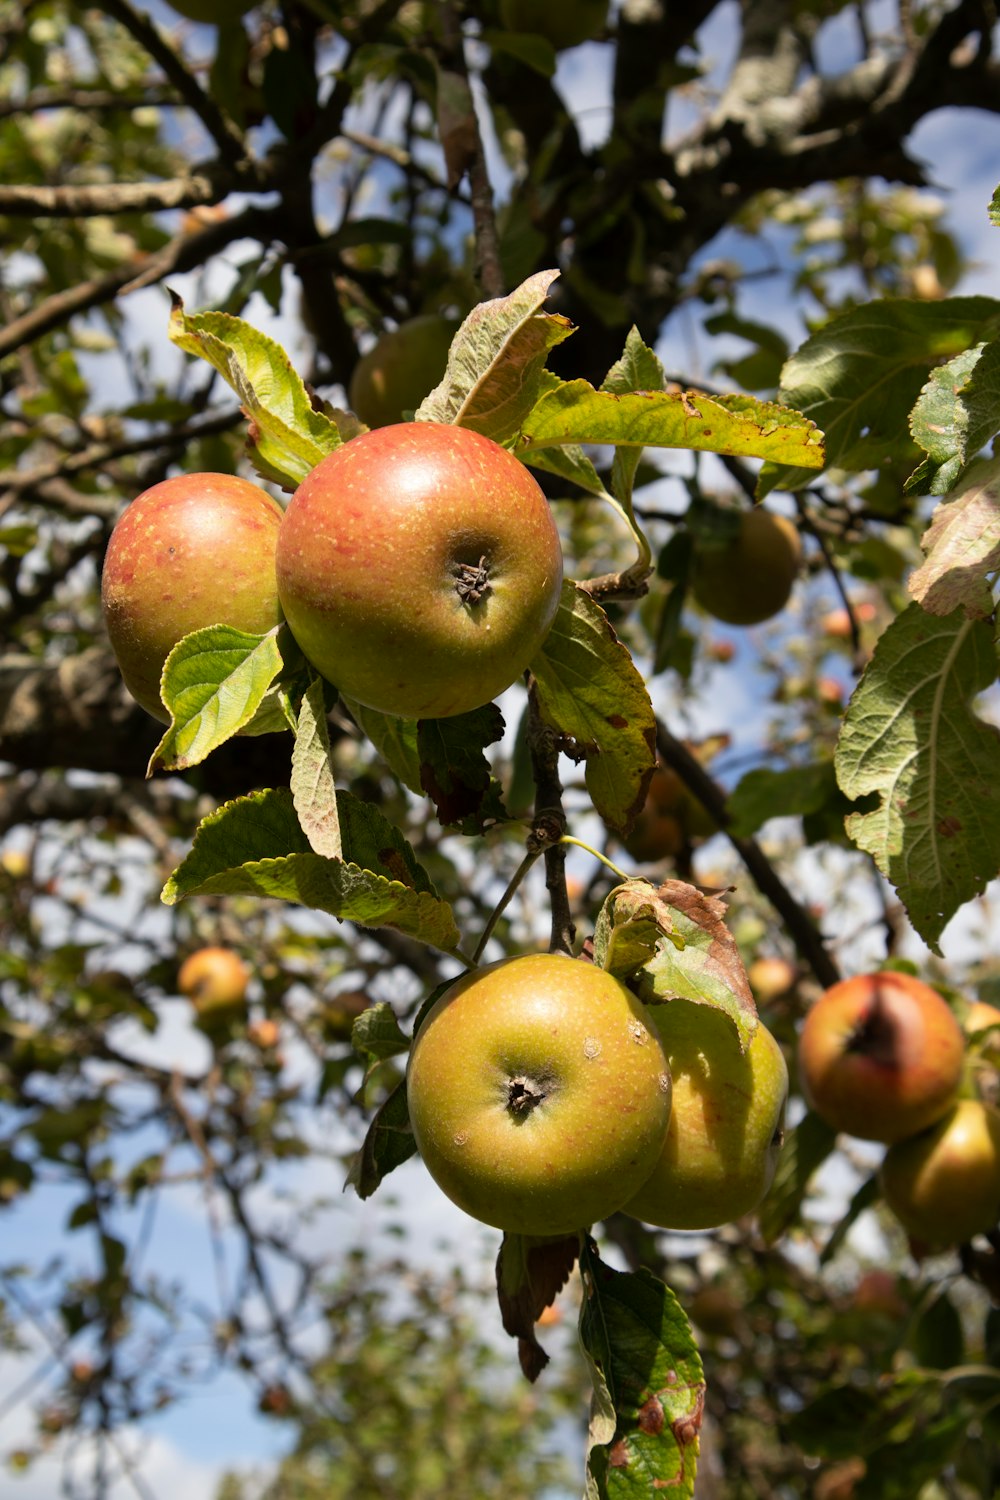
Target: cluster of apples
[883,1057]
[544,1095]
[418,567]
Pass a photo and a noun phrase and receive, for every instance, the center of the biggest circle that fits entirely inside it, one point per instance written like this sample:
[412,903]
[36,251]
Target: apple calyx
[525,1095]
[878,1034]
[472,581]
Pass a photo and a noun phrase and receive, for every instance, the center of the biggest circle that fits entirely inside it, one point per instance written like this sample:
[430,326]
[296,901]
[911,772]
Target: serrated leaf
[804,1150]
[648,1381]
[962,545]
[455,773]
[957,412]
[859,376]
[255,846]
[496,361]
[574,412]
[765,793]
[289,437]
[910,736]
[388,1143]
[213,683]
[570,463]
[639,369]
[312,784]
[394,739]
[587,686]
[376,1033]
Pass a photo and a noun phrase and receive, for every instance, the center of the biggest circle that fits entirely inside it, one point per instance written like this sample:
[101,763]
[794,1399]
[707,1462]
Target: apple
[215,980]
[192,551]
[563,23]
[880,1056]
[772,978]
[944,1185]
[726,1124]
[395,376]
[978,1016]
[877,1294]
[419,568]
[539,1094]
[339,1014]
[750,579]
[213,12]
[670,817]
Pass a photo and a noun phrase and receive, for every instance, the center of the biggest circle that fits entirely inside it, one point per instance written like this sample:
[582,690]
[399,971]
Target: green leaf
[701,962]
[587,687]
[289,437]
[957,413]
[388,1143]
[805,1149]
[649,1386]
[570,463]
[962,545]
[312,786]
[394,739]
[534,51]
[639,369]
[213,683]
[455,773]
[573,412]
[255,846]
[18,538]
[376,1034]
[938,1339]
[496,361]
[994,208]
[760,370]
[859,376]
[910,736]
[764,793]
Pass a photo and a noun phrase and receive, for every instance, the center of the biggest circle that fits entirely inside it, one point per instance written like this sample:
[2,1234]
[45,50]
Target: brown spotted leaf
[588,688]
[530,1274]
[649,1386]
[629,929]
[962,545]
[455,773]
[701,961]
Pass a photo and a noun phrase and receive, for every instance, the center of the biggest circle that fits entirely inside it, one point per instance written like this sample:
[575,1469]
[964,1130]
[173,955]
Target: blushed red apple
[419,569]
[192,551]
[881,1056]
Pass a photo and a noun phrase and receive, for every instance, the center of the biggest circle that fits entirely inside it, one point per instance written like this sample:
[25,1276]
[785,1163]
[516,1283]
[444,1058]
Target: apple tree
[732,408]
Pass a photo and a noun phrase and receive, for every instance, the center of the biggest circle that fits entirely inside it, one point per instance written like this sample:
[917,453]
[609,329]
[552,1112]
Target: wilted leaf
[455,773]
[962,545]
[629,927]
[387,1144]
[910,736]
[496,361]
[573,412]
[213,683]
[649,1386]
[701,962]
[289,437]
[530,1274]
[587,687]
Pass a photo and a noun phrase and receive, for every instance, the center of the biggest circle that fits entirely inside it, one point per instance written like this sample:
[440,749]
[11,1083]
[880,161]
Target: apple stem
[504,902]
[622,875]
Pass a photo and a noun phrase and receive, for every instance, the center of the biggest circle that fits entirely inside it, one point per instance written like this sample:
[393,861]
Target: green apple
[419,568]
[563,23]
[215,980]
[726,1124]
[944,1185]
[395,376]
[750,579]
[192,551]
[881,1056]
[539,1094]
